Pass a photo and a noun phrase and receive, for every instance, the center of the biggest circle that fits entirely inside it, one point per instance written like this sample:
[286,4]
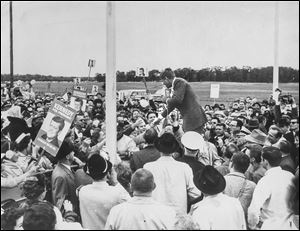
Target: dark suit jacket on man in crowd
[139,158]
[63,186]
[188,103]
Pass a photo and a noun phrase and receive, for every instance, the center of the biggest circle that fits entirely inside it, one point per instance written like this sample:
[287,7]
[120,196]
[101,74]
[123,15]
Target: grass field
[228,91]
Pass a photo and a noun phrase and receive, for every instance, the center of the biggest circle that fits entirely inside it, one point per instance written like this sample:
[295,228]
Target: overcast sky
[58,38]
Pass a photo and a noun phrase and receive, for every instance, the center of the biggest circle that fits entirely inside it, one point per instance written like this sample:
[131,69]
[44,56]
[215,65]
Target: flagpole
[110,82]
[11,46]
[276,32]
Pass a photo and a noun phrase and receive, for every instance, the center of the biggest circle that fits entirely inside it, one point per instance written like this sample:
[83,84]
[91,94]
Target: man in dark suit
[185,100]
[56,125]
[63,179]
[148,154]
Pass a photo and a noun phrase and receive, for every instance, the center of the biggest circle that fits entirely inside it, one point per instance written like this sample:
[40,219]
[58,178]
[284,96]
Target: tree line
[217,74]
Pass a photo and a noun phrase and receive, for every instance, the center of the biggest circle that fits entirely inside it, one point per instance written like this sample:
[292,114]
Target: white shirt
[219,212]
[141,213]
[269,197]
[67,166]
[126,144]
[96,201]
[174,183]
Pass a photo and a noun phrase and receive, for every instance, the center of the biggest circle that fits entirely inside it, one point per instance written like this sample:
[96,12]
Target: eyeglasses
[293,122]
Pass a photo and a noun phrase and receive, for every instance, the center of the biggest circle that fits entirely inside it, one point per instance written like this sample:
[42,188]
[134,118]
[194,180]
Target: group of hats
[208,180]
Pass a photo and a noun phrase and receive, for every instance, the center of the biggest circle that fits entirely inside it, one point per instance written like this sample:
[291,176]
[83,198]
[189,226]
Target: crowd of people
[240,170]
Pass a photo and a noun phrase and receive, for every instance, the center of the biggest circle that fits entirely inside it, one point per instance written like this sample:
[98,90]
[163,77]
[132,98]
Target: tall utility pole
[276,32]
[110,82]
[11,46]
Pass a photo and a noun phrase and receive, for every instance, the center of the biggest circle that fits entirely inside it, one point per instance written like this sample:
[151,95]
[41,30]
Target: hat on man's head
[209,181]
[97,167]
[16,127]
[257,137]
[166,143]
[192,140]
[252,124]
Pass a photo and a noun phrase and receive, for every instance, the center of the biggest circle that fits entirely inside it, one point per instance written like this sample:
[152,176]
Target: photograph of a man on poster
[55,126]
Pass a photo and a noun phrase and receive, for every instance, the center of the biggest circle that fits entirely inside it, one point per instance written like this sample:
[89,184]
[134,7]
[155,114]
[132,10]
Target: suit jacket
[239,187]
[63,186]
[288,164]
[148,154]
[188,103]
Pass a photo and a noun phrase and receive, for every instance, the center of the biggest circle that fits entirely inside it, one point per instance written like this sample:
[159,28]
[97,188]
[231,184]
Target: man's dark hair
[168,73]
[255,152]
[240,162]
[284,122]
[9,218]
[216,118]
[272,155]
[32,189]
[239,123]
[261,118]
[65,149]
[150,136]
[59,120]
[221,125]
[40,216]
[151,112]
[285,146]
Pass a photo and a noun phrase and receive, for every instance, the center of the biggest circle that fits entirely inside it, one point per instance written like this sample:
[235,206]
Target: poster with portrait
[142,72]
[77,81]
[78,100]
[55,127]
[95,89]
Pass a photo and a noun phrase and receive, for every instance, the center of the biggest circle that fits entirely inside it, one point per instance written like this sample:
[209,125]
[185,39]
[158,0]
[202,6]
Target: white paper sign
[214,91]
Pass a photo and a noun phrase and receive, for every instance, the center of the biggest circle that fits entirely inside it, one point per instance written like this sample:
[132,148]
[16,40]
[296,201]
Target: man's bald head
[142,181]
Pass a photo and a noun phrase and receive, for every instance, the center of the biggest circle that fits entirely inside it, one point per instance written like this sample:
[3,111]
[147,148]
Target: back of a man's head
[65,149]
[168,73]
[255,152]
[39,216]
[240,162]
[284,146]
[142,181]
[150,136]
[272,155]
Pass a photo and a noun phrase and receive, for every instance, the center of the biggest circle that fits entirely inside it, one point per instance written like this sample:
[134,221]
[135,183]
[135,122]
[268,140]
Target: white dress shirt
[174,183]
[269,197]
[141,213]
[96,201]
[219,212]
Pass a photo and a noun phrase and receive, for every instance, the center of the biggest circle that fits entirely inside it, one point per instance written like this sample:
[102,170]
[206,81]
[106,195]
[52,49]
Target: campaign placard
[55,127]
[142,72]
[78,100]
